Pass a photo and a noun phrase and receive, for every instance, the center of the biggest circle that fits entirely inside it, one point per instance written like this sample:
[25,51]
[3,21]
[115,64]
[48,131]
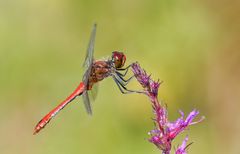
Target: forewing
[88,62]
[86,100]
[90,50]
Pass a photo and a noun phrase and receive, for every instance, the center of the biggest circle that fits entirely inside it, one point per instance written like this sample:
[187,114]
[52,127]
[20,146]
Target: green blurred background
[193,46]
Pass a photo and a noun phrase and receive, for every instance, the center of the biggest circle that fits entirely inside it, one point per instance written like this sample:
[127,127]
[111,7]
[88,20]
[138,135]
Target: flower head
[182,149]
[163,138]
[165,131]
[151,87]
[174,128]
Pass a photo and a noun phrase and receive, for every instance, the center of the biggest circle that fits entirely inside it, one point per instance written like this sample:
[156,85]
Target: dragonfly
[95,71]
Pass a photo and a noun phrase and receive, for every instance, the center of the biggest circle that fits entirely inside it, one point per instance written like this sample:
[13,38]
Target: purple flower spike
[140,75]
[183,148]
[154,88]
[150,86]
[180,124]
[165,131]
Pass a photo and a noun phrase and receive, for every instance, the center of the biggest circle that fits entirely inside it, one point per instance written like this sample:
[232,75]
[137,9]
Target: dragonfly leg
[120,88]
[121,85]
[126,81]
[123,69]
[122,80]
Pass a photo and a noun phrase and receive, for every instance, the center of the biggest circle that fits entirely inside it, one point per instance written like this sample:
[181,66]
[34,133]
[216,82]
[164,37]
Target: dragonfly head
[118,59]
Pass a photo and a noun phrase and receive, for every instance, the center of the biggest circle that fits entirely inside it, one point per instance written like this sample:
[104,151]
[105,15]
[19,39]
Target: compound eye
[123,60]
[118,63]
[118,58]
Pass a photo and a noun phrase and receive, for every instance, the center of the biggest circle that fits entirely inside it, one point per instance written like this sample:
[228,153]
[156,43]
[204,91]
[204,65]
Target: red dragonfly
[96,70]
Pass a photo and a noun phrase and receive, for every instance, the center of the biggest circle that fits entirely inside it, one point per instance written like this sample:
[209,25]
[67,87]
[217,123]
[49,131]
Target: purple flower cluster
[182,148]
[165,131]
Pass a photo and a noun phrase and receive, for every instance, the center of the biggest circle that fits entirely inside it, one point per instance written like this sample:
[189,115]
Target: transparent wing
[93,92]
[88,62]
[89,97]
[85,96]
[86,102]
[89,55]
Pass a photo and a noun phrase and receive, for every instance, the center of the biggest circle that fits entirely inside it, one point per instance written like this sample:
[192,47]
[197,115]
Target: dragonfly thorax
[100,70]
